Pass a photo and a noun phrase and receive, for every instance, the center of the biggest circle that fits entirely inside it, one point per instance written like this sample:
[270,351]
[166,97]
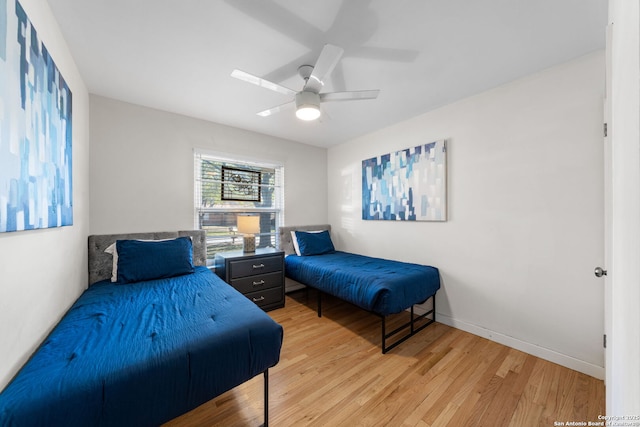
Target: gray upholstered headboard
[100,262]
[285,235]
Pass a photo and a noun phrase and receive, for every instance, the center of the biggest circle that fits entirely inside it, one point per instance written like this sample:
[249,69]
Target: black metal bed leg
[384,335]
[266,398]
[412,323]
[319,303]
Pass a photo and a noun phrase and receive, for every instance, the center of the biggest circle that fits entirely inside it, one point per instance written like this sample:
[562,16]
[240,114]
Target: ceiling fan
[307,101]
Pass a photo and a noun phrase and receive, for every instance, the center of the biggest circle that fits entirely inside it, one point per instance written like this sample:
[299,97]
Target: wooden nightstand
[258,275]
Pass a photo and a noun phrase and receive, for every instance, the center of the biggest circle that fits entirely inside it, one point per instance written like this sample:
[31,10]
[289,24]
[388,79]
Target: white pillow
[294,239]
[111,249]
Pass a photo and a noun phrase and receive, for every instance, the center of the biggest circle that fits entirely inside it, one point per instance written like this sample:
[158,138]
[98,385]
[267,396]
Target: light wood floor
[332,373]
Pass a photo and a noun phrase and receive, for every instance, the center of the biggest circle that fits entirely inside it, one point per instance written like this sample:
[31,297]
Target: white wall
[525,229]
[142,168]
[43,271]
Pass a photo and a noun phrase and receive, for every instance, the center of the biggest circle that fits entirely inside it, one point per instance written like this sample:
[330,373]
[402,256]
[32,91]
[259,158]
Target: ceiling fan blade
[274,110]
[325,64]
[349,96]
[250,78]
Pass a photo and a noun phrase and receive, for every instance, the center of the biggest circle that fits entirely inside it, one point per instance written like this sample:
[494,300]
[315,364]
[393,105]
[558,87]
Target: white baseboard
[291,285]
[292,288]
[535,350]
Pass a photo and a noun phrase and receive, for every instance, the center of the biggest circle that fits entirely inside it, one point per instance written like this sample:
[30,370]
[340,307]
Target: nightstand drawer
[267,297]
[258,283]
[250,267]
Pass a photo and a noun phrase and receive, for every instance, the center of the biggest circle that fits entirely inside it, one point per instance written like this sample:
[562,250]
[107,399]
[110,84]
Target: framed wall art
[240,184]
[408,185]
[35,129]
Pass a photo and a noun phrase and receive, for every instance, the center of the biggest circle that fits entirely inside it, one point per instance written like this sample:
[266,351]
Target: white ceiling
[177,55]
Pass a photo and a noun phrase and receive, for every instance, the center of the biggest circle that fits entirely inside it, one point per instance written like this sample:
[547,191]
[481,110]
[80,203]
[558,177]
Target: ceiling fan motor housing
[306,98]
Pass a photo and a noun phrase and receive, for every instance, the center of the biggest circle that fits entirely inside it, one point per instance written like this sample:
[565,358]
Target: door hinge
[605,130]
[604,340]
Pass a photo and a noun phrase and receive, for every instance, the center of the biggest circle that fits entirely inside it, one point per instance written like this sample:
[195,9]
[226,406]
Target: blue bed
[381,286]
[142,353]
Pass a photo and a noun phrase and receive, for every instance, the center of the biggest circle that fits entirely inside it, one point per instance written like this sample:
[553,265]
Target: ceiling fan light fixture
[307,106]
[308,113]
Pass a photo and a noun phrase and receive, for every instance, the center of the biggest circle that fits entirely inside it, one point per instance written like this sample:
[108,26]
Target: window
[225,188]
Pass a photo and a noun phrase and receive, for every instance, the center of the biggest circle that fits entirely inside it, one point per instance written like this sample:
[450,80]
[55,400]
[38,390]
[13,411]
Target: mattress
[378,285]
[141,354]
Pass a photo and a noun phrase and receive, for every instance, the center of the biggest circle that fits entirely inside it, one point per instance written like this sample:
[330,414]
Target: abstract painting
[35,129]
[408,185]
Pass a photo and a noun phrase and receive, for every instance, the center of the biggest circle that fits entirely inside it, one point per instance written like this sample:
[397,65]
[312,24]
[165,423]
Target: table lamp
[248,225]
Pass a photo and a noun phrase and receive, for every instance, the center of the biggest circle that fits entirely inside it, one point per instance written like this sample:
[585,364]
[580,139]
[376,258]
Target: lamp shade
[248,224]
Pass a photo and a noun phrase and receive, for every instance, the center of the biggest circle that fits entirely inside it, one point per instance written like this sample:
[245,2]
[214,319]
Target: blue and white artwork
[408,185]
[35,129]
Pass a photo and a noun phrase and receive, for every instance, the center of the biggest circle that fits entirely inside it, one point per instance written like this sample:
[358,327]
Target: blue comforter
[141,354]
[378,285]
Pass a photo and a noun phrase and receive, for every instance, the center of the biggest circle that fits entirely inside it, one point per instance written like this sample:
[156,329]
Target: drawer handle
[260,283]
[258,266]
[258,299]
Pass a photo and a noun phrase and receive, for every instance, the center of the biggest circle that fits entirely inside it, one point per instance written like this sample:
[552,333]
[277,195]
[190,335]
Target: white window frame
[230,207]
